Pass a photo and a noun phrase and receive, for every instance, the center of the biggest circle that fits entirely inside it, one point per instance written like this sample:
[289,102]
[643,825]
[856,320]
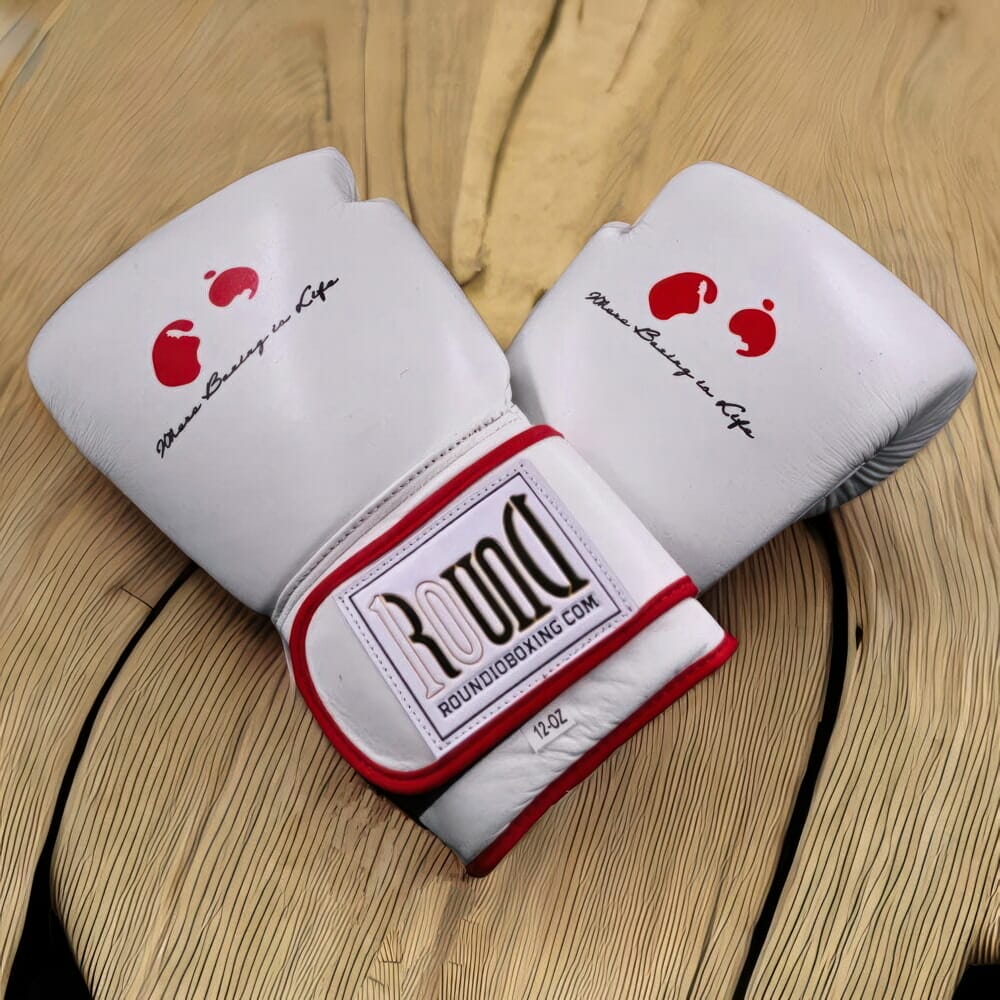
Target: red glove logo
[681,293]
[231,284]
[686,291]
[175,355]
[175,351]
[756,329]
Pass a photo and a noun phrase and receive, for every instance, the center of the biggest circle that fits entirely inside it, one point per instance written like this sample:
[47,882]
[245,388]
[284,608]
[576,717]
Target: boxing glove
[732,363]
[290,384]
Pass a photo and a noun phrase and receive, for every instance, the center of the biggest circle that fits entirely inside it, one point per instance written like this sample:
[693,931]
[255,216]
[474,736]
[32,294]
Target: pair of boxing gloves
[476,609]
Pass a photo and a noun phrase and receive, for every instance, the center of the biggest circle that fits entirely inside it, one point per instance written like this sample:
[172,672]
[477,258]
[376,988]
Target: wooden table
[819,818]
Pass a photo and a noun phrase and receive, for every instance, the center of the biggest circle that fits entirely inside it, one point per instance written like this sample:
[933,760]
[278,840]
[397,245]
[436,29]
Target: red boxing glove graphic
[681,293]
[175,355]
[686,291]
[232,283]
[756,329]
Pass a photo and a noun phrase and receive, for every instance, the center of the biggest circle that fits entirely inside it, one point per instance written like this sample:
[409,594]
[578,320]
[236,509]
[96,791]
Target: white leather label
[546,727]
[490,597]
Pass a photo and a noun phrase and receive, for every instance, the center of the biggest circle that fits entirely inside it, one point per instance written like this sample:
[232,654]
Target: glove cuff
[506,576]
[588,761]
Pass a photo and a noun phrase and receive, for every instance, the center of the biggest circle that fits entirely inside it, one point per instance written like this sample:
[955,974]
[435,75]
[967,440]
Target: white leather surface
[340,376]
[346,397]
[357,697]
[861,372]
[478,807]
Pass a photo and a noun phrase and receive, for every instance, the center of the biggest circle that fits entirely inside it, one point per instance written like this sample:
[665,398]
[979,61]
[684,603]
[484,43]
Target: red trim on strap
[421,514]
[471,749]
[488,859]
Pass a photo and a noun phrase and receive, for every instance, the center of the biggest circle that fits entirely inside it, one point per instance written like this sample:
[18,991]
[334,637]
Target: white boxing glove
[291,385]
[731,363]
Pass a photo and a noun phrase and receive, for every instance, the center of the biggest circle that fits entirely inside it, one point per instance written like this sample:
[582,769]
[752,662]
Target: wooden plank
[213,844]
[115,952]
[79,567]
[900,863]
[882,118]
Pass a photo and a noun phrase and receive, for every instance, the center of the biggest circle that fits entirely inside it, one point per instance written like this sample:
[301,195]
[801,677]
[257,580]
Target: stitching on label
[572,530]
[342,596]
[608,582]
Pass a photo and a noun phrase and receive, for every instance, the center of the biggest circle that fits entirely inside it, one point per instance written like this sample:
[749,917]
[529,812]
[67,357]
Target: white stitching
[574,529]
[608,581]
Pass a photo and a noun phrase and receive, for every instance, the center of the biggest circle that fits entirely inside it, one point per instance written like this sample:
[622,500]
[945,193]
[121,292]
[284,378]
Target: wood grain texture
[213,844]
[907,815]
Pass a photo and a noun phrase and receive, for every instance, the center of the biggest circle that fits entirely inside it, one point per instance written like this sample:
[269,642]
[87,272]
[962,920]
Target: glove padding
[731,363]
[291,385]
